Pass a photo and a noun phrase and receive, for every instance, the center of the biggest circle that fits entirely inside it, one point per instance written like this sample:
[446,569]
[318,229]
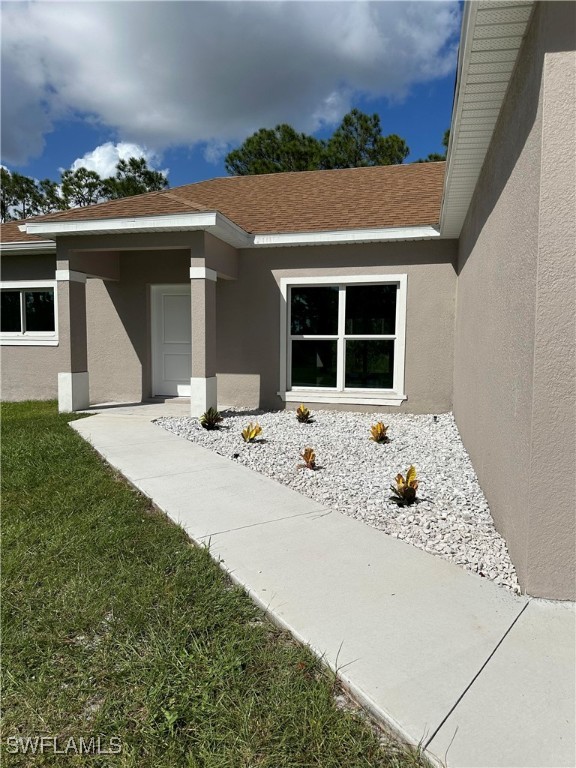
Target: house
[420,288]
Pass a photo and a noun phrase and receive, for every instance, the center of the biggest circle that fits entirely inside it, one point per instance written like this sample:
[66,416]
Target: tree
[81,187]
[22,196]
[50,197]
[435,156]
[358,141]
[273,151]
[133,177]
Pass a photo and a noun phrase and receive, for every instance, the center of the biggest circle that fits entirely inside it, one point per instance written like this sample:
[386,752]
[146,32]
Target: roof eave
[28,246]
[225,229]
[470,139]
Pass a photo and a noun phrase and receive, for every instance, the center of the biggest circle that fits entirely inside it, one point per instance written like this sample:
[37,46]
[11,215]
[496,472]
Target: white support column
[203,389]
[73,392]
[73,383]
[203,394]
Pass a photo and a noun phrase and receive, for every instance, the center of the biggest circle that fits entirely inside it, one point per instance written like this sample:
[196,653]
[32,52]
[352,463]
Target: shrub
[303,414]
[378,431]
[404,493]
[211,419]
[251,432]
[309,458]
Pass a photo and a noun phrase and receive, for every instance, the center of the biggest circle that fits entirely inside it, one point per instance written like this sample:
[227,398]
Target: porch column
[203,394]
[73,389]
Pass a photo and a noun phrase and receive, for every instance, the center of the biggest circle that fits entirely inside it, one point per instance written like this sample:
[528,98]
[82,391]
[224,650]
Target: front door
[171,340]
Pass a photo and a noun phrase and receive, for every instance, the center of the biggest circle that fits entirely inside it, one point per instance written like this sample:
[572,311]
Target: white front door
[171,340]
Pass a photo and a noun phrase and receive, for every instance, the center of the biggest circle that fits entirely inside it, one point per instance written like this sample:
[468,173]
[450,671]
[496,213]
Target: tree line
[356,142]
[22,196]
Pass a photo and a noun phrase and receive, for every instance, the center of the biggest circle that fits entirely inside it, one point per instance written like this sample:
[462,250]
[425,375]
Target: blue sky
[183,82]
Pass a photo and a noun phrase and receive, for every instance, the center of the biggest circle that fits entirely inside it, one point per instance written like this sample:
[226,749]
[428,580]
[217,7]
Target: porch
[137,318]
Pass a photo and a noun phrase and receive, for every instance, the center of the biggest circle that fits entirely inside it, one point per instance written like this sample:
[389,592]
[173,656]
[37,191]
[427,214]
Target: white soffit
[492,33]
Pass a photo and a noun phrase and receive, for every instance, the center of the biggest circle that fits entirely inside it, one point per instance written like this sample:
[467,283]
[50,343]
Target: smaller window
[27,313]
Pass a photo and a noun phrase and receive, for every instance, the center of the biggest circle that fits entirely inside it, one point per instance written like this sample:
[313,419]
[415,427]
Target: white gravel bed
[451,519]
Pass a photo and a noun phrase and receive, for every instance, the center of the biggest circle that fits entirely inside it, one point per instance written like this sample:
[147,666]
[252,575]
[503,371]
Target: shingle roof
[9,233]
[307,201]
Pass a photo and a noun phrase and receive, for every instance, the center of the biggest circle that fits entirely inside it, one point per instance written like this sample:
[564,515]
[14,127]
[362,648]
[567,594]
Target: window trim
[35,338]
[394,396]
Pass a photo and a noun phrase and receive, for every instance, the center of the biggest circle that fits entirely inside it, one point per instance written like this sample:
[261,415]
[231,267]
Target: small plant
[211,419]
[404,493]
[309,458]
[251,432]
[378,433]
[303,414]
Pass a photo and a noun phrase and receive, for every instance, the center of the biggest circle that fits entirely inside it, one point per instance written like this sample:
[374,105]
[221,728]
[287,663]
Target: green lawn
[114,625]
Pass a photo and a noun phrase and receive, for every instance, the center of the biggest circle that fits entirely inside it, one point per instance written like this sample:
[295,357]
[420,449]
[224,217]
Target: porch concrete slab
[408,630]
[520,711]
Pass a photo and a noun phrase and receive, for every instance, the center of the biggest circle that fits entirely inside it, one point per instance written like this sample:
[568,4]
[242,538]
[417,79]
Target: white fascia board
[213,221]
[225,229]
[172,222]
[40,246]
[347,236]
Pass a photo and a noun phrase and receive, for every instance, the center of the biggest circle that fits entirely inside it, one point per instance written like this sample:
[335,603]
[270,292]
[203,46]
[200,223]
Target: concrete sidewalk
[481,677]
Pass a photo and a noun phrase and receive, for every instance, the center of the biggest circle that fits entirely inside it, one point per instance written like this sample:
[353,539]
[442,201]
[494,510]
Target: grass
[115,625]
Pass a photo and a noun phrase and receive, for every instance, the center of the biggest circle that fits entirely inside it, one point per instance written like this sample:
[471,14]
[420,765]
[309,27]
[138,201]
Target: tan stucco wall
[119,351]
[513,386]
[30,373]
[248,317]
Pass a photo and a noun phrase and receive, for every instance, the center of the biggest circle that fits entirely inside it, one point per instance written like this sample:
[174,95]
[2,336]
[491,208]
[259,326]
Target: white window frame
[340,394]
[34,338]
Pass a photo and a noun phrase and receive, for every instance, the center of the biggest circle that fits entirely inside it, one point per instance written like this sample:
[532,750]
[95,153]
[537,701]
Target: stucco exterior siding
[119,323]
[248,317]
[512,398]
[29,373]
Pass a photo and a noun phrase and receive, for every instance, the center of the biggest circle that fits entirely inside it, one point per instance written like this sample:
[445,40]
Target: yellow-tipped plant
[378,432]
[309,458]
[251,432]
[404,493]
[303,414]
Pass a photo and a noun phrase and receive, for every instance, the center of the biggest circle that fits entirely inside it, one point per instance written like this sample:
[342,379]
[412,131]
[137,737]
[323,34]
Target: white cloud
[104,158]
[178,73]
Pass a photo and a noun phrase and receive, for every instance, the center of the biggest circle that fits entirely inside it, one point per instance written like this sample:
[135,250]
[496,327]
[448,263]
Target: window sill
[355,398]
[30,341]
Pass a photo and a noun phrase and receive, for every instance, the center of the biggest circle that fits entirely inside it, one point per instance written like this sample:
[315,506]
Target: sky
[183,82]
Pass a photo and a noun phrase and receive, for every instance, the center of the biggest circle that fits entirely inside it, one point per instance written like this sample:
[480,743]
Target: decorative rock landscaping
[451,518]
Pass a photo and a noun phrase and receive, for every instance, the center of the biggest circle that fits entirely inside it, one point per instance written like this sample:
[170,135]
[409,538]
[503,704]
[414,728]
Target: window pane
[314,310]
[314,363]
[39,310]
[370,364]
[10,311]
[371,309]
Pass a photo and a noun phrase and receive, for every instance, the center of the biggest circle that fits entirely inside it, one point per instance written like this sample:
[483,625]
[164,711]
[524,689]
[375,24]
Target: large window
[344,338]
[28,313]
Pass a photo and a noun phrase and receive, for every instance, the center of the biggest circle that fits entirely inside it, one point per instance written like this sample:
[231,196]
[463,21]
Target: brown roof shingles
[308,201]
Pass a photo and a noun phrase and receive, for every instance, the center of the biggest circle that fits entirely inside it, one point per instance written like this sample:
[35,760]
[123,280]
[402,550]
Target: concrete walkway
[481,677]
